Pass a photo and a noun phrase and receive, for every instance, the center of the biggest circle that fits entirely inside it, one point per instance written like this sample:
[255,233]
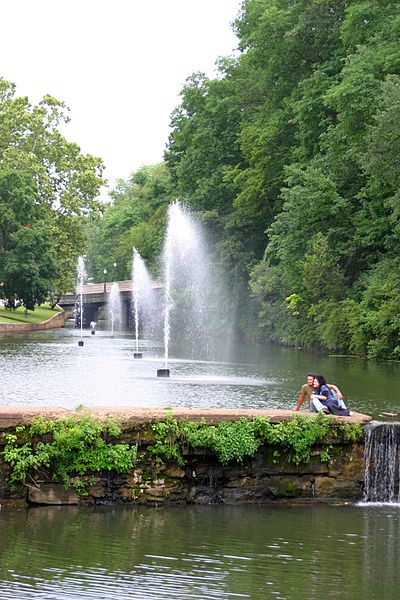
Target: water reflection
[200,552]
[49,368]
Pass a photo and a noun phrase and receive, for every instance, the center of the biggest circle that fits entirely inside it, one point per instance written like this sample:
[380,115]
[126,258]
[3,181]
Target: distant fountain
[143,298]
[115,307]
[189,285]
[81,276]
[382,462]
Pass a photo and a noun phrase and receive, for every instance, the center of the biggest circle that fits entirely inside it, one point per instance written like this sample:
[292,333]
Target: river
[203,552]
[50,369]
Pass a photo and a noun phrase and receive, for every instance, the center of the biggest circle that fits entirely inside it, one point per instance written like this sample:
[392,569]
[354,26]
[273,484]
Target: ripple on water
[200,553]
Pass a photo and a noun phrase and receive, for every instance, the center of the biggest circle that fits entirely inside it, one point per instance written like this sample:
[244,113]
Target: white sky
[119,66]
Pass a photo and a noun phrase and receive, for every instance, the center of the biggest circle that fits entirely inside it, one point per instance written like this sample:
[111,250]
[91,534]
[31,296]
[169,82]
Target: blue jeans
[341,403]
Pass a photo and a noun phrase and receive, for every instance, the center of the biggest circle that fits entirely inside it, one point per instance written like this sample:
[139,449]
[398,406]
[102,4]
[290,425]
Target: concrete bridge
[95,295]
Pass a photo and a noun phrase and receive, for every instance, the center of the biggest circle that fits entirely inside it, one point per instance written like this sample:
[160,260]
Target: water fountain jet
[81,273]
[142,296]
[114,306]
[188,278]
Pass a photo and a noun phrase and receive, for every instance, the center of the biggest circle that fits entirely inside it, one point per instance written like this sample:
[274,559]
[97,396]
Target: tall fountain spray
[186,274]
[168,304]
[81,276]
[143,297]
[115,307]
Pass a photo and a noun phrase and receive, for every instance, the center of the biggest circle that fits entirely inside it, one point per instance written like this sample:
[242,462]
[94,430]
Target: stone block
[289,487]
[52,493]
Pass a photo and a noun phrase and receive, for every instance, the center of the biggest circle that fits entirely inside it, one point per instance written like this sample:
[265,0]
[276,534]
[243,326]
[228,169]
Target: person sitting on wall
[324,399]
[308,390]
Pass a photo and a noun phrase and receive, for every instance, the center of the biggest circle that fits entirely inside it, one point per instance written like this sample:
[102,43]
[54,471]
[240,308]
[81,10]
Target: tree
[28,266]
[67,181]
[134,218]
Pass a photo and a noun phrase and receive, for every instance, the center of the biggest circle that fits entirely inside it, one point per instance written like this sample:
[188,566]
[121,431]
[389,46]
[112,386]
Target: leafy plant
[236,440]
[299,435]
[66,447]
[167,443]
[325,456]
[228,440]
[351,433]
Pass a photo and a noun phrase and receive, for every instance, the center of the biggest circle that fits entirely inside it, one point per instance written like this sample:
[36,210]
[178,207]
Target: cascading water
[81,276]
[143,297]
[115,307]
[382,462]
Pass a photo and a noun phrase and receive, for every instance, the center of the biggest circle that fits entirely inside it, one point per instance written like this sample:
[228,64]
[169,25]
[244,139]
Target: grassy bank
[39,315]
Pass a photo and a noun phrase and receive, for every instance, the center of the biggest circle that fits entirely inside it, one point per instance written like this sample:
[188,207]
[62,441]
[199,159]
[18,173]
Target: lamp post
[105,280]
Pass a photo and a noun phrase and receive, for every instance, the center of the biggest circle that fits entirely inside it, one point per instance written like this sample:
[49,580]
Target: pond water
[50,369]
[203,552]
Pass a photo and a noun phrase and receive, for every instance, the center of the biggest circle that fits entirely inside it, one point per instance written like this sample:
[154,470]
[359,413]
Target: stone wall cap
[10,416]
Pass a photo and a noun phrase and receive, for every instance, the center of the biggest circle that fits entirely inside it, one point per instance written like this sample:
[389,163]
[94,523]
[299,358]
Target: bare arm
[300,401]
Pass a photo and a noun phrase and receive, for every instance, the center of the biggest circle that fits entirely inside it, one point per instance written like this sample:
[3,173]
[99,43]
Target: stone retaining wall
[54,322]
[202,479]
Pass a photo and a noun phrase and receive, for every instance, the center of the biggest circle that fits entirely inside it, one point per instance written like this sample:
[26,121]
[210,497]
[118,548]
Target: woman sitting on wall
[326,400]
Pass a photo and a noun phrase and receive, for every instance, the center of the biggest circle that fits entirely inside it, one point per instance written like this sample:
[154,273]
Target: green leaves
[65,448]
[230,441]
[237,440]
[45,178]
[135,218]
[28,263]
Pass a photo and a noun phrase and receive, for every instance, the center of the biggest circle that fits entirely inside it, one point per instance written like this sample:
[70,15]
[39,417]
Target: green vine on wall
[77,446]
[236,440]
[64,448]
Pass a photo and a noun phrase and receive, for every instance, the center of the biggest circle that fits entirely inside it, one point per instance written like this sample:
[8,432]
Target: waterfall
[382,462]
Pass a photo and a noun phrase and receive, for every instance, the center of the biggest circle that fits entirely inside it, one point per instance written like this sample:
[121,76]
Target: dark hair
[311,375]
[321,380]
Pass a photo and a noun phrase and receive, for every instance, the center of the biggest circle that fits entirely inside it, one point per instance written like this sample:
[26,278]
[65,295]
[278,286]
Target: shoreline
[55,322]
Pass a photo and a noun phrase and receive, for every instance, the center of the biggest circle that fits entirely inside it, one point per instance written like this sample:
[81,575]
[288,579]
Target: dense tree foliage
[135,217]
[47,186]
[292,153]
[290,157]
[27,257]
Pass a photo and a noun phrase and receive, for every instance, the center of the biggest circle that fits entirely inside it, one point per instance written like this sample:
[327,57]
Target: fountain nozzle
[162,372]
[137,355]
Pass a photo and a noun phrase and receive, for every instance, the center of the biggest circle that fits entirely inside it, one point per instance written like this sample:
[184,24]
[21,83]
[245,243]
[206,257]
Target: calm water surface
[216,552]
[302,553]
[49,368]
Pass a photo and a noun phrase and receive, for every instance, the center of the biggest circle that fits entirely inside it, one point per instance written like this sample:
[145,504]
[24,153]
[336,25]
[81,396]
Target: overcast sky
[119,65]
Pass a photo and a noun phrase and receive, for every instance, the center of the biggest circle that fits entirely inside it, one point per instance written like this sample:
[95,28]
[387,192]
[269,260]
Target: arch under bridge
[96,295]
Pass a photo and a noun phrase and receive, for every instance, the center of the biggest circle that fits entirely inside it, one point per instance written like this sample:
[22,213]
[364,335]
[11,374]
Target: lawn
[40,314]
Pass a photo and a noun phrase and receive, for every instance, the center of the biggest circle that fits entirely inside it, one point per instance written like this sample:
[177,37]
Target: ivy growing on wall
[64,448]
[236,440]
[67,449]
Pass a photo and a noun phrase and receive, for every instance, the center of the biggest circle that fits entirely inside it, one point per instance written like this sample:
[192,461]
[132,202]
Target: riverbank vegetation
[71,448]
[292,440]
[289,157]
[66,449]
